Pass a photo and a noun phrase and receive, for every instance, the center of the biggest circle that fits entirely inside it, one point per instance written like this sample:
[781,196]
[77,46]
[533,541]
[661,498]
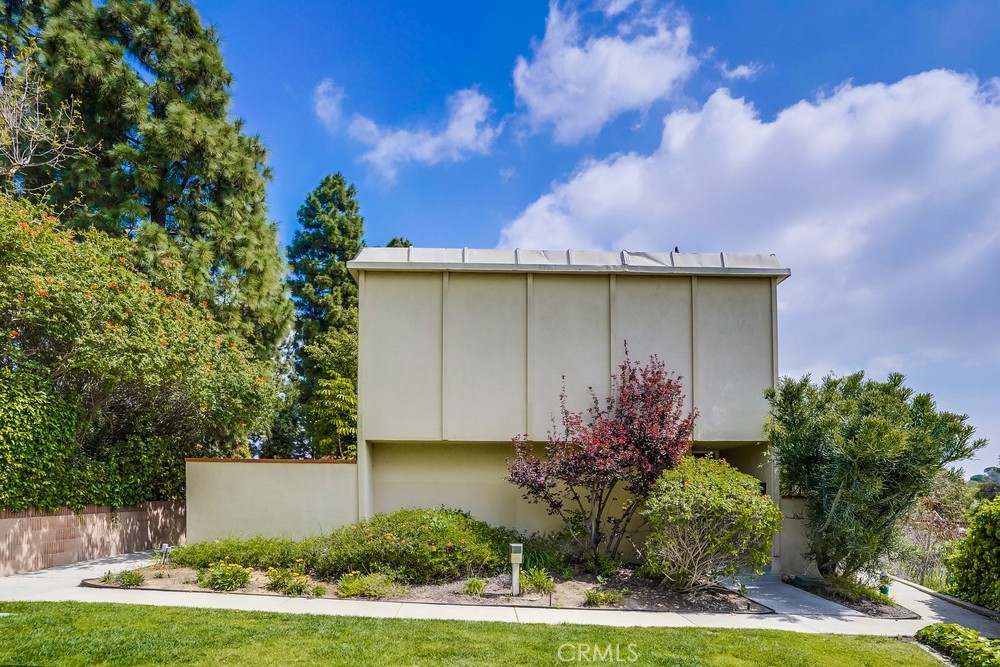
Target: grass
[71,633]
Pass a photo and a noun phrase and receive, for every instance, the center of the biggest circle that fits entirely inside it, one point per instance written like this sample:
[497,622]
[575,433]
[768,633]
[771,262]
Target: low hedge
[963,646]
[411,545]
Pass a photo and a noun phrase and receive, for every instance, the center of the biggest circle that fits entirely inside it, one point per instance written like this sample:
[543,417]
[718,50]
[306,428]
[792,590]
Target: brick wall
[34,540]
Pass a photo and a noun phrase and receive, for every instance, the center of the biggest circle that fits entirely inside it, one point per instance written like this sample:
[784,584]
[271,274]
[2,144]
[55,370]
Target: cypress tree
[166,165]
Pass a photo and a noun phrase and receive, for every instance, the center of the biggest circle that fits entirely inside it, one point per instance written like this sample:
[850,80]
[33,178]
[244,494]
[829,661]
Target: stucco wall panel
[569,335]
[271,498]
[734,358]
[402,356]
[485,360]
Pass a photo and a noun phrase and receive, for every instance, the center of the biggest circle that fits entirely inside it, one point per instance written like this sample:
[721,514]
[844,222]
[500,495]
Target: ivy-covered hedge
[108,379]
[411,545]
[963,646]
[975,563]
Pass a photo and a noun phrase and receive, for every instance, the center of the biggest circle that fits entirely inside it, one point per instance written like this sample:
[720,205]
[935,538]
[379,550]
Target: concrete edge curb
[975,608]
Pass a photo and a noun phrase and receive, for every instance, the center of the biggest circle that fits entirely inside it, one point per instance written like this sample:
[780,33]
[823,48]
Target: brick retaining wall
[33,540]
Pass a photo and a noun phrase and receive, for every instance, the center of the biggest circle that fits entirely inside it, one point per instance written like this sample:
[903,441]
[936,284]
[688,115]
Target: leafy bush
[131,375]
[855,591]
[130,579]
[861,452]
[225,576]
[598,598]
[475,586]
[413,545]
[537,579]
[259,553]
[963,646]
[292,581]
[358,585]
[708,521]
[975,563]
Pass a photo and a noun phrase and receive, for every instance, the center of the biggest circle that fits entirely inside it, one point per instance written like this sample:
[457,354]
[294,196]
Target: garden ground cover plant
[68,633]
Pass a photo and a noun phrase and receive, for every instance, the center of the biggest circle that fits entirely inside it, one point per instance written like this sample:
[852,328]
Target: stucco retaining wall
[33,540]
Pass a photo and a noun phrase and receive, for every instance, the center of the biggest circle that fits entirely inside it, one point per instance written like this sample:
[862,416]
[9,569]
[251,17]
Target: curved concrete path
[794,609]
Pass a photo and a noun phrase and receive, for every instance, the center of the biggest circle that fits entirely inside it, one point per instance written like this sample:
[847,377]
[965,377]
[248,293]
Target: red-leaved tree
[622,444]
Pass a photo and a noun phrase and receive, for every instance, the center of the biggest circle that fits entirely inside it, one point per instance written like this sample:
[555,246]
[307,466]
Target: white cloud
[467,132]
[579,82]
[328,102]
[748,71]
[883,199]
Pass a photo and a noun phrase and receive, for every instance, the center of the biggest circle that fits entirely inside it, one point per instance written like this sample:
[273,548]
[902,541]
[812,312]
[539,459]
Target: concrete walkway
[794,609]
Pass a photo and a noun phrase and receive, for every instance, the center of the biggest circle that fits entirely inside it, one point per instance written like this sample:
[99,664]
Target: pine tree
[166,166]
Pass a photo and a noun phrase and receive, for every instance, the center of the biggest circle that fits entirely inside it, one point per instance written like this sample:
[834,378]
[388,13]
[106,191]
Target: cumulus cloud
[328,103]
[748,71]
[883,199]
[577,81]
[467,132]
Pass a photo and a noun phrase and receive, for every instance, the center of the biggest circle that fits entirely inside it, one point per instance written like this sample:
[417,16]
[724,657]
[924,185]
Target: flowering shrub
[708,521]
[292,581]
[132,375]
[963,646]
[621,446]
[415,546]
[225,576]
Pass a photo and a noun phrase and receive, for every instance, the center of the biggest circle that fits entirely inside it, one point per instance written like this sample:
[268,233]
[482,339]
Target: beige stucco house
[462,349]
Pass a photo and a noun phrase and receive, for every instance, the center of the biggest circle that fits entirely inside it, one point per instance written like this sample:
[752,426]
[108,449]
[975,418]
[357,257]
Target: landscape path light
[516,552]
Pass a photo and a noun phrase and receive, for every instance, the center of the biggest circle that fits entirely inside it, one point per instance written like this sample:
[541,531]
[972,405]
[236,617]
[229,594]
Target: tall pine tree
[166,163]
[331,231]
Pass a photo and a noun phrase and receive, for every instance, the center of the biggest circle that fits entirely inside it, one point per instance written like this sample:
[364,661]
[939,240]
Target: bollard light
[164,554]
[516,553]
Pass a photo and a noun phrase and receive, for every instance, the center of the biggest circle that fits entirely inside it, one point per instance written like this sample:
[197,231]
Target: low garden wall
[792,541]
[272,497]
[33,540]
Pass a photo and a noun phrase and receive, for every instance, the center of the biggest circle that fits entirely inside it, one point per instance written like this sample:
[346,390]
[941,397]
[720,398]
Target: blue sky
[858,141]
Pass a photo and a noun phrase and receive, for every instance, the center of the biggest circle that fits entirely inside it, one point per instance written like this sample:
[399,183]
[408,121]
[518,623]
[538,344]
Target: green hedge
[411,545]
[965,647]
[975,563]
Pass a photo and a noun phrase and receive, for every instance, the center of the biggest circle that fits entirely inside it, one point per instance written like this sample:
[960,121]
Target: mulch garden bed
[644,594]
[866,607]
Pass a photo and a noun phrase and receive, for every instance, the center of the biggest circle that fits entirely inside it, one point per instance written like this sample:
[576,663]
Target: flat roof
[567,261]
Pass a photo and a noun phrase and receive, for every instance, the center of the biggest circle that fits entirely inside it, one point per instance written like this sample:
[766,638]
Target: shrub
[130,579]
[708,521]
[292,581]
[414,545]
[975,563]
[225,576]
[358,585]
[855,591]
[259,553]
[861,452]
[599,467]
[475,586]
[537,579]
[963,646]
[606,598]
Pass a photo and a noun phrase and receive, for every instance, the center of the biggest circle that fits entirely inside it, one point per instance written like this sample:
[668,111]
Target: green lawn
[68,633]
